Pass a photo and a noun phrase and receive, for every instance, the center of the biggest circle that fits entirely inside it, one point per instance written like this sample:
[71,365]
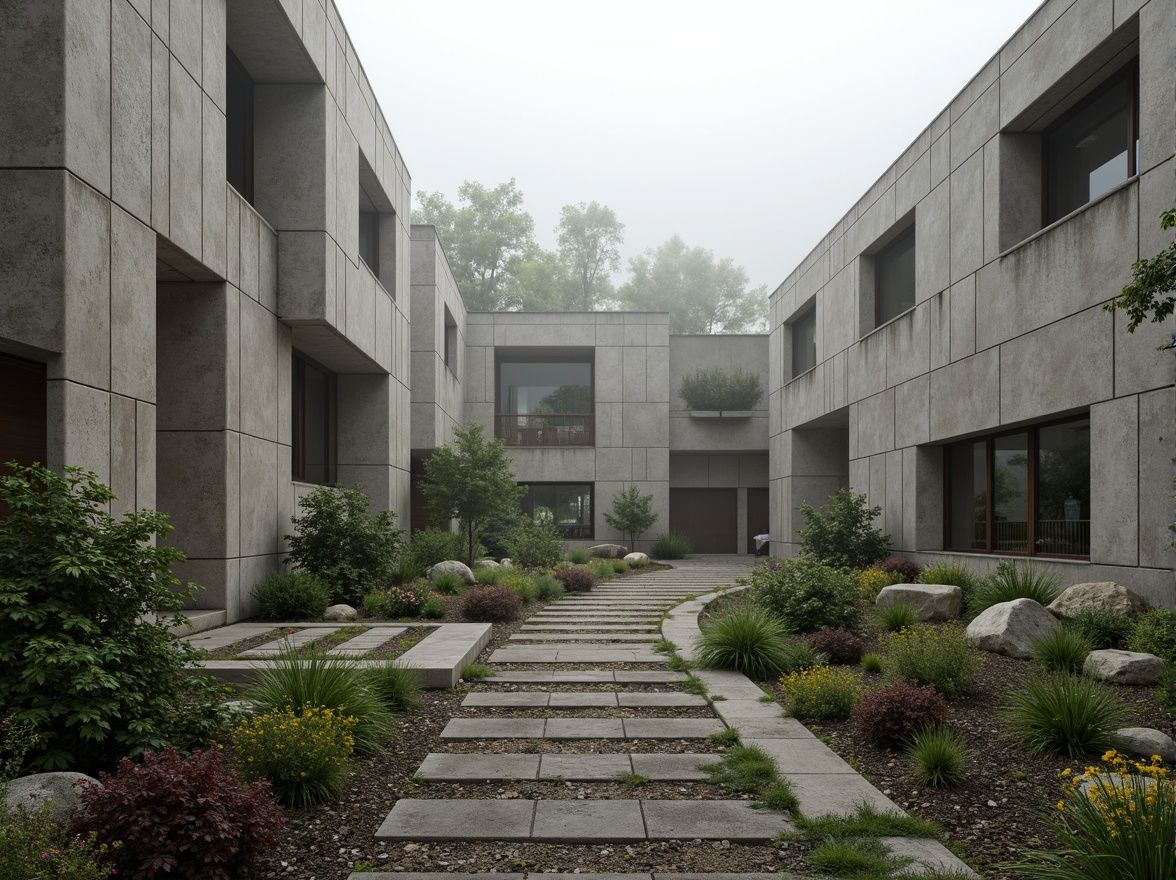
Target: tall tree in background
[487,235]
[590,237]
[701,295]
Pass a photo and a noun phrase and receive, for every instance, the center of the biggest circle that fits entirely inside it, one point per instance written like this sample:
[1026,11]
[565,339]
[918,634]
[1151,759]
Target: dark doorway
[23,414]
[708,517]
[757,515]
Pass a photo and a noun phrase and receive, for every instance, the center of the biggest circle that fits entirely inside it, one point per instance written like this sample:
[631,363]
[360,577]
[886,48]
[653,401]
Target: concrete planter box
[720,414]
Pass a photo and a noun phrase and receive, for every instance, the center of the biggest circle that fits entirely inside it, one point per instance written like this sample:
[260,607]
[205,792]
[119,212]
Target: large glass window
[545,402]
[1025,492]
[312,413]
[239,127]
[804,343]
[567,506]
[894,278]
[1094,147]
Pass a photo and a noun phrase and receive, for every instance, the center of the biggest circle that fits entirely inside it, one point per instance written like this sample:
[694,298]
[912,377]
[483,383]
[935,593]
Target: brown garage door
[709,517]
[757,515]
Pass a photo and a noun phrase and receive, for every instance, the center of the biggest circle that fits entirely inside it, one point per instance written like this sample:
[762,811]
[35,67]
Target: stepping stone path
[608,630]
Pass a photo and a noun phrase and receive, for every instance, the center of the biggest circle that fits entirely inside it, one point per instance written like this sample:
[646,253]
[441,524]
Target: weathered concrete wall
[690,353]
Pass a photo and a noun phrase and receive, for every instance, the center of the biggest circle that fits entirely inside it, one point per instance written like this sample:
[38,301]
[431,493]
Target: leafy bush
[335,683]
[842,534]
[799,655]
[906,571]
[601,569]
[432,545]
[936,655]
[535,545]
[941,756]
[521,582]
[339,540]
[83,656]
[897,616]
[292,596]
[748,641]
[547,588]
[395,685]
[639,562]
[821,692]
[434,607]
[713,388]
[305,754]
[448,584]
[872,663]
[808,596]
[1155,633]
[887,716]
[670,545]
[576,580]
[1015,580]
[1103,629]
[871,582]
[579,556]
[1064,714]
[396,602]
[34,847]
[491,604]
[183,817]
[488,576]
[619,566]
[632,514]
[838,645]
[1061,650]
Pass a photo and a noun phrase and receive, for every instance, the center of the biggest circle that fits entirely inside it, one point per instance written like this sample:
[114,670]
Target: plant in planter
[715,389]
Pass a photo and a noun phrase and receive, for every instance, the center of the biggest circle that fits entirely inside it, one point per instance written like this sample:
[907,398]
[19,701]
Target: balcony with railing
[546,429]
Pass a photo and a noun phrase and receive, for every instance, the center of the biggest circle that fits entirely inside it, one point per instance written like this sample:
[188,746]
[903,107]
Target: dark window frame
[891,246]
[1032,449]
[371,259]
[233,66]
[591,536]
[298,365]
[589,358]
[795,325]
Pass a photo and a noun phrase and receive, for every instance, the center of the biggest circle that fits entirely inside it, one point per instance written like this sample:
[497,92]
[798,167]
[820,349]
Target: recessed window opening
[894,278]
[450,331]
[238,127]
[545,402]
[567,506]
[313,415]
[804,342]
[369,232]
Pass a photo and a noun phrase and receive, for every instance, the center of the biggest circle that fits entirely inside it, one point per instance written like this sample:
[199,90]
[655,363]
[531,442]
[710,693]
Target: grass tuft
[1065,715]
[744,769]
[1015,580]
[728,737]
[865,821]
[694,685]
[1062,650]
[474,672]
[897,616]
[633,780]
[395,685]
[941,756]
[748,641]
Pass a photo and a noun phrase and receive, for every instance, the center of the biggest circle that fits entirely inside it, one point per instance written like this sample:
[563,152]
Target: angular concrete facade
[1007,327]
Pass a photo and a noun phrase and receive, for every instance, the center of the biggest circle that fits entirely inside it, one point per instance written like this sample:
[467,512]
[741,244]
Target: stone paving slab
[440,657]
[644,875]
[658,766]
[413,819]
[654,701]
[670,767]
[800,755]
[581,728]
[672,728]
[212,640]
[643,676]
[587,676]
[589,627]
[584,637]
[574,654]
[582,701]
[735,821]
[291,641]
[374,638]
[493,728]
[929,855]
[584,728]
[732,685]
[584,768]
[468,768]
[771,729]
[839,793]
[514,700]
[588,821]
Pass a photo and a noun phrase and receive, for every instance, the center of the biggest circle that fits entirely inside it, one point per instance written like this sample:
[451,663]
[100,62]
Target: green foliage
[779,796]
[1061,650]
[872,663]
[547,588]
[448,584]
[292,596]
[601,569]
[619,566]
[854,857]
[897,616]
[728,737]
[579,556]
[34,847]
[935,655]
[871,582]
[670,545]
[743,769]
[638,563]
[521,582]
[950,573]
[632,514]
[865,821]
[748,641]
[470,480]
[1066,715]
[434,607]
[1153,282]
[395,603]
[714,388]
[842,534]
[474,672]
[395,685]
[1015,580]
[338,539]
[432,545]
[1103,629]
[83,657]
[332,682]
[807,596]
[663,646]
[488,576]
[694,685]
[535,545]
[821,692]
[940,755]
[304,754]
[590,237]
[1155,633]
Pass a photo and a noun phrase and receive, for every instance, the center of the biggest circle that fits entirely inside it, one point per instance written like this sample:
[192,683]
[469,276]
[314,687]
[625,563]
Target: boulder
[506,563]
[485,563]
[636,557]
[1011,628]
[340,612]
[1106,596]
[931,601]
[608,551]
[59,789]
[452,566]
[1124,667]
[1147,741]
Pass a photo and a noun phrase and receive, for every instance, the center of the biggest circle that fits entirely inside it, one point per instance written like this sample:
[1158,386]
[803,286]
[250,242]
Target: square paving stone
[800,755]
[771,728]
[840,793]
[514,700]
[712,820]
[493,728]
[660,700]
[586,701]
[672,728]
[588,821]
[584,728]
[606,654]
[586,768]
[671,768]
[474,768]
[648,677]
[928,854]
[413,819]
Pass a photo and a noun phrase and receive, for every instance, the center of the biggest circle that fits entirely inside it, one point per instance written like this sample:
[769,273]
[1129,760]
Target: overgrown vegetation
[714,389]
[842,534]
[807,596]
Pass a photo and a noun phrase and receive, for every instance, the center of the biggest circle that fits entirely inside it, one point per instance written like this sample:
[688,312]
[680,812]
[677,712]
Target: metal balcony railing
[549,429]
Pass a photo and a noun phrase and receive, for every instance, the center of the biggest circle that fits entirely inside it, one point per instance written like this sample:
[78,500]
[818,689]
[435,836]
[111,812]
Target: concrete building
[944,349]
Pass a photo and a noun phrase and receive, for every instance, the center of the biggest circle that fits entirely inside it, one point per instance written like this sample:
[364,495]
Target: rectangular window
[567,506]
[1094,147]
[239,127]
[894,278]
[369,240]
[450,341]
[312,411]
[804,342]
[545,402]
[1025,492]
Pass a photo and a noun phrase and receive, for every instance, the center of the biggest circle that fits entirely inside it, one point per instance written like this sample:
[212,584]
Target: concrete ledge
[198,620]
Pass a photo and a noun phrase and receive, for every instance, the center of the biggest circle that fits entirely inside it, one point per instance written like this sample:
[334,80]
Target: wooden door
[708,517]
[757,515]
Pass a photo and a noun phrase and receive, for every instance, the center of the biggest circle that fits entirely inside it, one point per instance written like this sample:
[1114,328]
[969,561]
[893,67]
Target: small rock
[1011,628]
[608,551]
[60,789]
[1124,667]
[931,601]
[1105,596]
[1147,741]
[340,612]
[992,803]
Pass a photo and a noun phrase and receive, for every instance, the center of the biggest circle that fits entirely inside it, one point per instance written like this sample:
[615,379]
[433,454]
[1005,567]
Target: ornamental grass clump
[1015,580]
[897,616]
[305,754]
[821,692]
[1103,629]
[1061,650]
[292,596]
[670,545]
[940,755]
[1065,715]
[935,655]
[394,684]
[748,641]
[579,556]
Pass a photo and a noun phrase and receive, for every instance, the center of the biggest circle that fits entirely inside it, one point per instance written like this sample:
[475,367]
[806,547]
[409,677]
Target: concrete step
[581,728]
[543,699]
[586,676]
[657,766]
[576,654]
[532,636]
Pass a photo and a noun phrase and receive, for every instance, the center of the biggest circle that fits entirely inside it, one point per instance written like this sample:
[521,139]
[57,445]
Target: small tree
[632,514]
[470,480]
[842,534]
[341,541]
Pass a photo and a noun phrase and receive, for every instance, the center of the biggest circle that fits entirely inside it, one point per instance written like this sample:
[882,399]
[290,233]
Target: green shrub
[872,663]
[448,584]
[34,847]
[338,539]
[535,545]
[491,604]
[1064,714]
[1015,580]
[639,562]
[395,603]
[330,682]
[872,581]
[935,655]
[395,685]
[489,575]
[1155,633]
[887,716]
[897,616]
[940,755]
[743,769]
[292,596]
[842,534]
[619,566]
[821,692]
[601,569]
[808,596]
[1103,629]
[579,557]
[522,583]
[632,514]
[748,641]
[837,645]
[576,580]
[713,388]
[670,545]
[434,607]
[432,545]
[547,588]
[86,601]
[305,754]
[1061,650]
